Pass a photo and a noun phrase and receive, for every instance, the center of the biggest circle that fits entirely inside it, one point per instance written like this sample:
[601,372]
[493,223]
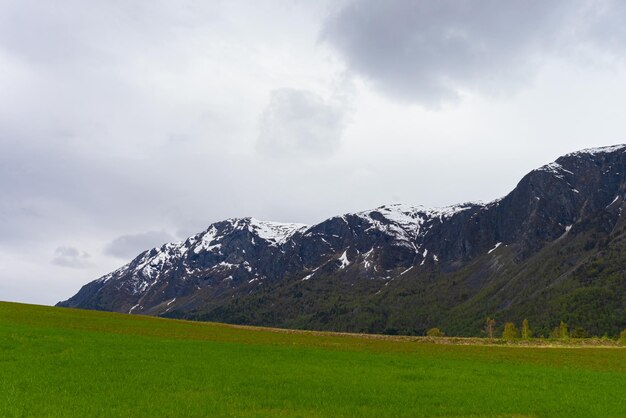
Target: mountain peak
[598,150]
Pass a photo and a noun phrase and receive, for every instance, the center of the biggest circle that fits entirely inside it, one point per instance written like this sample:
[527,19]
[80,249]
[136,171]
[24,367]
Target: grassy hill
[66,362]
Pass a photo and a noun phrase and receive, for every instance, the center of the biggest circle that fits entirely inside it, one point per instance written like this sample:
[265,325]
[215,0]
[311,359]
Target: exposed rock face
[396,268]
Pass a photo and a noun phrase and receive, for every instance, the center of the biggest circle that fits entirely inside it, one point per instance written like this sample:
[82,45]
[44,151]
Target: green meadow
[72,363]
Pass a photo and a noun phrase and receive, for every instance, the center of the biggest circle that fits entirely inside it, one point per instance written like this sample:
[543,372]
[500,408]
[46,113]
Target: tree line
[511,332]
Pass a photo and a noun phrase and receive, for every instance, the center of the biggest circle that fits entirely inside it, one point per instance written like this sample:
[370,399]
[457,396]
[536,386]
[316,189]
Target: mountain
[554,249]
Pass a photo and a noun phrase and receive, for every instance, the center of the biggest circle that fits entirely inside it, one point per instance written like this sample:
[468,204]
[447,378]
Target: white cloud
[71,257]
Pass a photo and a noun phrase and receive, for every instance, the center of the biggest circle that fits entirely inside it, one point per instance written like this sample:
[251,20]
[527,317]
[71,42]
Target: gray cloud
[128,246]
[71,257]
[432,51]
[301,123]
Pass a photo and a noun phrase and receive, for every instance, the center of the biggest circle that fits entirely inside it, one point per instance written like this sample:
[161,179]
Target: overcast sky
[125,124]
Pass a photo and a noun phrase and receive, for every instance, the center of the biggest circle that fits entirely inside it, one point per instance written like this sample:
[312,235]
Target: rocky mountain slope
[553,249]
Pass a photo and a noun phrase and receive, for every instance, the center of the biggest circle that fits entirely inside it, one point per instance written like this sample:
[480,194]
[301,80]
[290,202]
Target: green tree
[622,337]
[554,334]
[490,326]
[434,332]
[561,332]
[526,331]
[579,332]
[510,331]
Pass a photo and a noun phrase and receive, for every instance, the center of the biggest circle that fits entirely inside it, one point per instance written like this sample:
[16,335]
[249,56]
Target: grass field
[65,362]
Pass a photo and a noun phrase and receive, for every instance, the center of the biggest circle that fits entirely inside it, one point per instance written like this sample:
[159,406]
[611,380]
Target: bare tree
[526,331]
[490,326]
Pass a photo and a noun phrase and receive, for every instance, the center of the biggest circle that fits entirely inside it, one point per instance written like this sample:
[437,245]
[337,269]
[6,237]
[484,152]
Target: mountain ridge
[243,270]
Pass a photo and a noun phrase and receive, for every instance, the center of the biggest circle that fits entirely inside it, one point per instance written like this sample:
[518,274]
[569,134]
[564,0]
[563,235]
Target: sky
[125,124]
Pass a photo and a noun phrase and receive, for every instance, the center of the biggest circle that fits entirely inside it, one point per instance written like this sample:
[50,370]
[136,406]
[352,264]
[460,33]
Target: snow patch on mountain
[208,241]
[117,273]
[406,222]
[555,168]
[614,200]
[344,260]
[494,248]
[275,232]
[598,150]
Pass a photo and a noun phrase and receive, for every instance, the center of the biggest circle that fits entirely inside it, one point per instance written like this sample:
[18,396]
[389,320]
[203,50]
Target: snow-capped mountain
[366,271]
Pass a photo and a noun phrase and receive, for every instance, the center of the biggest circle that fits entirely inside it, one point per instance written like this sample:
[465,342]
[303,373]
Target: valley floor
[66,362]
